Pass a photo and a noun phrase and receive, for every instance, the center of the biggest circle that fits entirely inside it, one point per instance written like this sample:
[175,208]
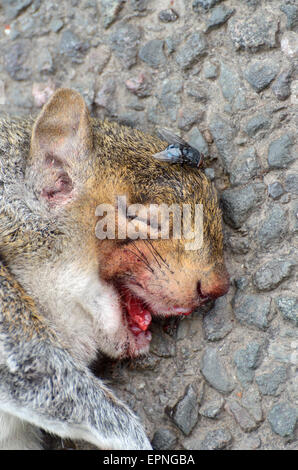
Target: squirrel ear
[61,141]
[62,129]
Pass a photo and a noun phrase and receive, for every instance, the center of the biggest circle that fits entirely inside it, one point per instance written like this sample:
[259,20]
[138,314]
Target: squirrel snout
[213,286]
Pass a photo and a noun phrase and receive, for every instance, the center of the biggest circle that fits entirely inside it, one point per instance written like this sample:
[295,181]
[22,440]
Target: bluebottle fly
[178,151]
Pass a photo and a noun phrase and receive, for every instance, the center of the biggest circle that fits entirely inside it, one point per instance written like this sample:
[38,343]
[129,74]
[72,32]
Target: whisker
[159,255]
[142,260]
[146,261]
[152,253]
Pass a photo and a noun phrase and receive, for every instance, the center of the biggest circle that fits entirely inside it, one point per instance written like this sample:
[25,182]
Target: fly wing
[166,156]
[170,137]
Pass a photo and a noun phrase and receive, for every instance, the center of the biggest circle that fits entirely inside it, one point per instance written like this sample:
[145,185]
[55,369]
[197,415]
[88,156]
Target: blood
[138,316]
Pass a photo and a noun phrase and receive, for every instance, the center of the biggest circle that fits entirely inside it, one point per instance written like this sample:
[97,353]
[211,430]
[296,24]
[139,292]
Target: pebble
[288,306]
[210,70]
[273,228]
[291,12]
[216,440]
[247,360]
[261,73]
[169,97]
[211,409]
[139,5]
[254,33]
[255,124]
[105,95]
[162,345]
[152,53]
[187,117]
[196,139]
[185,413]
[124,43]
[285,351]
[275,190]
[196,90]
[282,85]
[219,16]
[252,309]
[109,11]
[215,372]
[271,274]
[245,167]
[194,48]
[168,16]
[279,152]
[252,401]
[98,58]
[231,86]
[291,183]
[56,24]
[217,323]
[272,382]
[139,86]
[15,61]
[242,282]
[245,421]
[172,42]
[12,9]
[164,439]
[45,62]
[238,203]
[223,134]
[73,46]
[283,418]
[206,4]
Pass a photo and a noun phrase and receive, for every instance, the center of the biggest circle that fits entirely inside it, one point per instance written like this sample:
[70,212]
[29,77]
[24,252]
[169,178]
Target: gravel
[185,412]
[247,360]
[238,203]
[218,17]
[215,372]
[252,309]
[288,306]
[152,53]
[261,73]
[194,48]
[279,153]
[223,76]
[254,33]
[272,383]
[283,418]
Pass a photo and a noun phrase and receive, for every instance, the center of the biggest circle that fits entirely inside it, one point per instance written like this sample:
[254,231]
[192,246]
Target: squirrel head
[81,166]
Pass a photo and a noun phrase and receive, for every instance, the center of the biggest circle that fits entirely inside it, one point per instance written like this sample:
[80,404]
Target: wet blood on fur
[139,318]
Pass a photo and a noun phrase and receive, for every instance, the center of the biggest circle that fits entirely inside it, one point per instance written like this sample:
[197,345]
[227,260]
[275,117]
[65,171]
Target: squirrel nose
[214,286]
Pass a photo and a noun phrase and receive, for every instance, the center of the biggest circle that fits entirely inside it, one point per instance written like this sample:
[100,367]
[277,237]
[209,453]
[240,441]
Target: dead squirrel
[64,293]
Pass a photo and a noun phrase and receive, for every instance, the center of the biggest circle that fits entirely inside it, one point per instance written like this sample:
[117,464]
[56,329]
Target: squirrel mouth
[138,316]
